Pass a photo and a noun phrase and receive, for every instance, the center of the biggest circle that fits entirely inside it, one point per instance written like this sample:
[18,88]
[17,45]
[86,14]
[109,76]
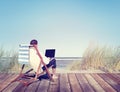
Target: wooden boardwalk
[66,82]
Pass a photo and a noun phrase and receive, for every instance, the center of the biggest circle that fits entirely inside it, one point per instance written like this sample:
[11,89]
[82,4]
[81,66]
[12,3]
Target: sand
[64,70]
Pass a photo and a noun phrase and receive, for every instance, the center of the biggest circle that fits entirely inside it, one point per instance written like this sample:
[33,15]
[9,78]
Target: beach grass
[97,57]
[8,60]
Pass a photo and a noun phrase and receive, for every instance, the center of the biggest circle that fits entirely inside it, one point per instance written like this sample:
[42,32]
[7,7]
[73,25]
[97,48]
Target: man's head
[33,42]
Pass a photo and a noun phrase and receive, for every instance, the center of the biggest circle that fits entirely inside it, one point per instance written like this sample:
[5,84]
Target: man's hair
[33,42]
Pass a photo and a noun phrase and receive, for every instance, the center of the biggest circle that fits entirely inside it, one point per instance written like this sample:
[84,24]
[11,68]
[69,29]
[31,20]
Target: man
[36,60]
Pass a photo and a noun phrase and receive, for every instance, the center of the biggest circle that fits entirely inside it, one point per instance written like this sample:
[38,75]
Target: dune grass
[102,58]
[8,60]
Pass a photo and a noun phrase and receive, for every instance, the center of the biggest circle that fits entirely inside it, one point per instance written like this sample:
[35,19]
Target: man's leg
[45,76]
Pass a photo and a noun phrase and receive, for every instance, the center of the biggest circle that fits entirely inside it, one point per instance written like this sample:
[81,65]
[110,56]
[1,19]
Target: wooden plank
[110,75]
[64,84]
[20,88]
[75,86]
[116,75]
[103,84]
[43,86]
[11,87]
[16,87]
[93,83]
[24,88]
[54,86]
[4,77]
[110,82]
[32,87]
[7,79]
[78,82]
[84,83]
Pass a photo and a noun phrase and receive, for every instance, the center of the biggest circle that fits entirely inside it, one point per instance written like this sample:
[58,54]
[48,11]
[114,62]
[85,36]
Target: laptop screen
[50,53]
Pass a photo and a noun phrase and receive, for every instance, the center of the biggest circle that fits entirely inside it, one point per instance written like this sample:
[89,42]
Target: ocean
[64,61]
[61,61]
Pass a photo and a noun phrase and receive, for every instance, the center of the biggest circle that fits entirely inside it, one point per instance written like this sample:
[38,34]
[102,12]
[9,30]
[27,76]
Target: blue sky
[69,26]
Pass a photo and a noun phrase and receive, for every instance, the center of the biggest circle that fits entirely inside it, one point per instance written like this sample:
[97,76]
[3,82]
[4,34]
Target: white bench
[23,57]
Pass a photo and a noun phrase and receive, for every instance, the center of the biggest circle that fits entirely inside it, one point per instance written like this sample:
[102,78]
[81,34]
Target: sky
[68,26]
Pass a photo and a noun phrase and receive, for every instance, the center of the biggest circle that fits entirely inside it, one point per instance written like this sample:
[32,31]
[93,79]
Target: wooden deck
[66,82]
